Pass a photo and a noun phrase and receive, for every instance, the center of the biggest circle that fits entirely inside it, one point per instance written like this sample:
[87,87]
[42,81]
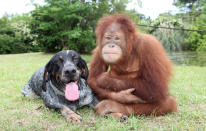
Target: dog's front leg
[53,102]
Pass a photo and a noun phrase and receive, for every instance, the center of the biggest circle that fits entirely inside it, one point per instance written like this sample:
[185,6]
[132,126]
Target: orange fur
[144,67]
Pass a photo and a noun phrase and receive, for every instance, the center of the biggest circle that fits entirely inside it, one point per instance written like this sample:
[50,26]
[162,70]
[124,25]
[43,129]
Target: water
[188,58]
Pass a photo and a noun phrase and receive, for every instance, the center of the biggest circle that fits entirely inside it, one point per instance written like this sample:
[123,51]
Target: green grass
[188,85]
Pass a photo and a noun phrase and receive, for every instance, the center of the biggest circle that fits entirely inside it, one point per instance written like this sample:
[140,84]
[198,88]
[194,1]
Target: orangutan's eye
[117,38]
[108,38]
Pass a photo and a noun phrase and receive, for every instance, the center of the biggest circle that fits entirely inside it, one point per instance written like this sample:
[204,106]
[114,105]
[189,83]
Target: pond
[188,58]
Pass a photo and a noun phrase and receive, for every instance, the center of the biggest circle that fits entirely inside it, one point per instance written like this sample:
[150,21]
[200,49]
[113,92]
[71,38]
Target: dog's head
[64,70]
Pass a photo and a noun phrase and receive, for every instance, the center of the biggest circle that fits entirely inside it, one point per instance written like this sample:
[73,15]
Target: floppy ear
[46,76]
[84,69]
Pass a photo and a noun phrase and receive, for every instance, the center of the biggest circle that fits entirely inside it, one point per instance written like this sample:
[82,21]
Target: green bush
[197,40]
[65,25]
[14,35]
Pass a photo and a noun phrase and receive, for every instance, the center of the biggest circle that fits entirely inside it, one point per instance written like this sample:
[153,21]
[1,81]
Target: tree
[188,4]
[70,24]
[60,24]
[197,20]
[197,40]
[172,40]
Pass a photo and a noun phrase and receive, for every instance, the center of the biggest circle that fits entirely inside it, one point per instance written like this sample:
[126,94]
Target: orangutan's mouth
[110,53]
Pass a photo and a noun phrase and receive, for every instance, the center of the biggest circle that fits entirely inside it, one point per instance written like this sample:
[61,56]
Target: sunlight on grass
[19,113]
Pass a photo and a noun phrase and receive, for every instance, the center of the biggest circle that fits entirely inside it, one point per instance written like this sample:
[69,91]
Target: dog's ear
[46,76]
[83,68]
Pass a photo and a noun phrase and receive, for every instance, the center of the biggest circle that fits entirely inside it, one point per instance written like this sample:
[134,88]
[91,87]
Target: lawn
[188,85]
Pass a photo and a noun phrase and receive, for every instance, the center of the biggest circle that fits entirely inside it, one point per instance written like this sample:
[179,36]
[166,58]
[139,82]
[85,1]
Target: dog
[62,84]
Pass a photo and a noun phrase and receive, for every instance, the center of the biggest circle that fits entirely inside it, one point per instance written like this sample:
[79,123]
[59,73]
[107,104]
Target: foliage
[172,40]
[197,40]
[145,21]
[14,35]
[70,24]
[52,23]
[189,4]
[57,25]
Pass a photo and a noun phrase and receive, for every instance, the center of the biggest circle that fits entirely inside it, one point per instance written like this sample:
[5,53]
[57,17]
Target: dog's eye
[75,59]
[61,59]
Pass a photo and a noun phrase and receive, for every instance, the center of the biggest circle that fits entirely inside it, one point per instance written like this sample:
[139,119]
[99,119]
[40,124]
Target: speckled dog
[62,84]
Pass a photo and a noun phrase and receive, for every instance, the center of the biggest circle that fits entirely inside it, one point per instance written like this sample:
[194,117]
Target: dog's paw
[74,118]
[71,116]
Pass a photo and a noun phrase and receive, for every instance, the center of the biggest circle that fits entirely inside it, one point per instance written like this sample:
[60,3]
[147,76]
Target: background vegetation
[70,24]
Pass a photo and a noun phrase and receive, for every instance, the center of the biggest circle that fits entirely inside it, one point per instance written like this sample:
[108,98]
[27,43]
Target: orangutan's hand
[126,96]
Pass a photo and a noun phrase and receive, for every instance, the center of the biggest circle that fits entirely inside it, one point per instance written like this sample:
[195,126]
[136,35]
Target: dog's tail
[27,91]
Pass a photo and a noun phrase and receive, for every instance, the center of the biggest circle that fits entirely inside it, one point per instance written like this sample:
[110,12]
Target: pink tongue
[72,92]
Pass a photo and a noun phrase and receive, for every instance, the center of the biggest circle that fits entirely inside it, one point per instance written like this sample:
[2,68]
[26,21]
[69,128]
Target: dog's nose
[70,71]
